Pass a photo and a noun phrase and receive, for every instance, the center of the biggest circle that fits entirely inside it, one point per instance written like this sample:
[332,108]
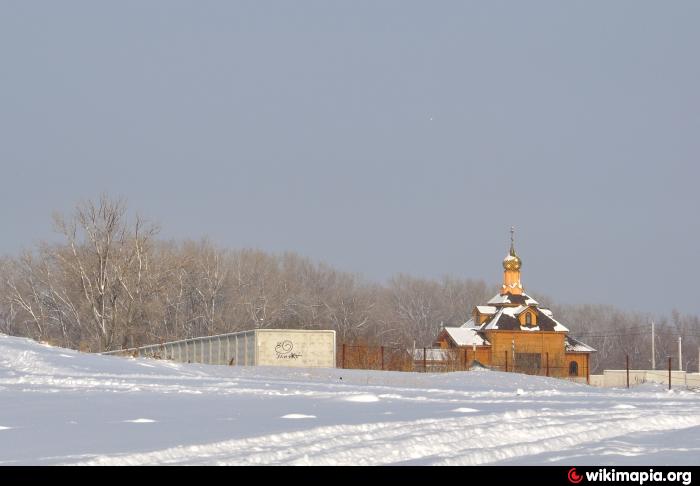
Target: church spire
[511,269]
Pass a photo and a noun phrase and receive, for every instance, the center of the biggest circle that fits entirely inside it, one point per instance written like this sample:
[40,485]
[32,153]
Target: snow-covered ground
[63,407]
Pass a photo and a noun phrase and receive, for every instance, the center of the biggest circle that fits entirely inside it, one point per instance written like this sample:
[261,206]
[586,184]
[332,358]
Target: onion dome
[512,260]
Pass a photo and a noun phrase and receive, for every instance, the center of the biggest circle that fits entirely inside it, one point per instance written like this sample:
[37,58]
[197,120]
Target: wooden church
[511,332]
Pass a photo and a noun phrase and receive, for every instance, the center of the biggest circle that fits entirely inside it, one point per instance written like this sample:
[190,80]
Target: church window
[528,319]
[573,368]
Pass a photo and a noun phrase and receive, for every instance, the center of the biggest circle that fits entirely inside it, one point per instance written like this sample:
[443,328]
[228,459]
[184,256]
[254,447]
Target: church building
[511,332]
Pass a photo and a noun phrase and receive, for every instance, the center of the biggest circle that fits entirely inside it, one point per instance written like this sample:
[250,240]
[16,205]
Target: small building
[475,347]
[512,332]
[287,347]
[430,359]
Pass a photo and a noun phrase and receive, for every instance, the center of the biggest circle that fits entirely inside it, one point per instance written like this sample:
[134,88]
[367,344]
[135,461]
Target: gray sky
[377,136]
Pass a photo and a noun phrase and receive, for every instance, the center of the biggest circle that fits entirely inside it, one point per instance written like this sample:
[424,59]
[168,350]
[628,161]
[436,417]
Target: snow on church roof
[558,326]
[470,323]
[486,309]
[513,299]
[576,346]
[466,336]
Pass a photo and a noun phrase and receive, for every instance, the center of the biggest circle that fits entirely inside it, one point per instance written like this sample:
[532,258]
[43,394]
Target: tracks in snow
[455,441]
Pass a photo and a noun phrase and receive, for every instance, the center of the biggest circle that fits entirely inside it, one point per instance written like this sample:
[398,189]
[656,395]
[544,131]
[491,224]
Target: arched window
[528,319]
[573,368]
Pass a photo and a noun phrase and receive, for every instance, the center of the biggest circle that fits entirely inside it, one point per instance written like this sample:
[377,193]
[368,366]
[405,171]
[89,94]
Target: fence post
[669,372]
[506,353]
[627,367]
[588,370]
[343,360]
[547,363]
[382,348]
[425,361]
[465,359]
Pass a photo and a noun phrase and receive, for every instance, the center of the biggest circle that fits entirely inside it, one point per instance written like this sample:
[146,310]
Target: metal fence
[223,349]
[441,360]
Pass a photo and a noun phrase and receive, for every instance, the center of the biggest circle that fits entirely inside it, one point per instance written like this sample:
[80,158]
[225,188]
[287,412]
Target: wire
[625,334]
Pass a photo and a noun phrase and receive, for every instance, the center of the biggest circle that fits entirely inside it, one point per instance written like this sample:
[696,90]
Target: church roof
[576,346]
[506,319]
[523,299]
[487,309]
[466,336]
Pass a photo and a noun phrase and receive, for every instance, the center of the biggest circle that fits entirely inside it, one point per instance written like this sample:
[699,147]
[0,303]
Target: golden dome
[512,261]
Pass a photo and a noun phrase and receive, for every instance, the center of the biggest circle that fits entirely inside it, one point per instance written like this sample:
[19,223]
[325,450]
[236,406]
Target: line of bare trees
[111,283]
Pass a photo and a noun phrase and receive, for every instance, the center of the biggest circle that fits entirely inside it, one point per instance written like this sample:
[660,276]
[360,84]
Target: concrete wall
[296,348]
[618,378]
[597,380]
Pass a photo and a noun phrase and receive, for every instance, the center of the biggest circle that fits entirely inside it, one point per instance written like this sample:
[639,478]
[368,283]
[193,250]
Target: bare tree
[108,256]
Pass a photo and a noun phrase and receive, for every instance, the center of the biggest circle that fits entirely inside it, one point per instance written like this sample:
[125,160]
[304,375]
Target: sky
[378,137]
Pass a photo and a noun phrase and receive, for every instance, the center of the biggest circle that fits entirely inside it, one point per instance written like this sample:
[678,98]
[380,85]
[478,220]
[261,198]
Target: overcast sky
[376,136]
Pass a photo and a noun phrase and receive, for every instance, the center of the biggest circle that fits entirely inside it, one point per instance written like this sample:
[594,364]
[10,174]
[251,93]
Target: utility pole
[680,355]
[653,354]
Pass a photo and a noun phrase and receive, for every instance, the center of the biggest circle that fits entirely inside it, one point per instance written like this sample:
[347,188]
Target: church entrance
[530,363]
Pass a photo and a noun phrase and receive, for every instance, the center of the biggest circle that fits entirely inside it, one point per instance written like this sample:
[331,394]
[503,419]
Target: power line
[626,334]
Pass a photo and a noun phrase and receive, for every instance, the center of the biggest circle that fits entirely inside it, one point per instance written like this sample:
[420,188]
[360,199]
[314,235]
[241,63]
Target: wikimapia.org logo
[574,477]
[640,477]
